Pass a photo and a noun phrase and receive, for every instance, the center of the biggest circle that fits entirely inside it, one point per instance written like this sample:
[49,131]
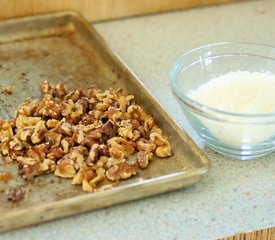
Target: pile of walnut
[86,137]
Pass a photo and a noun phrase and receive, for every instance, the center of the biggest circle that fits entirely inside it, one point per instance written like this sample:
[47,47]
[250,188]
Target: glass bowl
[238,135]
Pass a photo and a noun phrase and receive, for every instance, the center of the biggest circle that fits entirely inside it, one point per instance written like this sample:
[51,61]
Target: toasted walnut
[101,163]
[51,110]
[55,153]
[38,134]
[54,137]
[5,146]
[111,111]
[52,123]
[86,187]
[5,131]
[111,161]
[109,129]
[23,121]
[78,136]
[26,108]
[67,143]
[163,146]
[45,87]
[145,145]
[65,167]
[120,144]
[15,144]
[75,117]
[143,158]
[164,151]
[37,152]
[47,166]
[156,129]
[100,176]
[148,123]
[82,105]
[65,129]
[137,113]
[122,170]
[93,155]
[125,129]
[59,90]
[158,139]
[84,173]
[66,107]
[124,102]
[104,105]
[77,157]
[74,95]
[136,135]
[26,133]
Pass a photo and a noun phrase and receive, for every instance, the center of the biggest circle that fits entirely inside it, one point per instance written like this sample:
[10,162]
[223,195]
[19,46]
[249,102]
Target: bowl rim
[204,108]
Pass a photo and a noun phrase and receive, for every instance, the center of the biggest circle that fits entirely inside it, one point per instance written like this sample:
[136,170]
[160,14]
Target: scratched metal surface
[63,47]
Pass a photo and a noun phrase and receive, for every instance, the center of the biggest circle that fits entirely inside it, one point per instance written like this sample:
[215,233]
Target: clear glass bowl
[241,136]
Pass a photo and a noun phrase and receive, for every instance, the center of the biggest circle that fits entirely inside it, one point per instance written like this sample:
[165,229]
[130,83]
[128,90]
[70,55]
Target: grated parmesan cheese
[239,92]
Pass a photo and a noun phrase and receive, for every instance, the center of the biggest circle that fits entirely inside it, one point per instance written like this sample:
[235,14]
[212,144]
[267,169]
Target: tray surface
[64,47]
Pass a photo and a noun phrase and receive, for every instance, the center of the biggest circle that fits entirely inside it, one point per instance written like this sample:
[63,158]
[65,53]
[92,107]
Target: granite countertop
[235,195]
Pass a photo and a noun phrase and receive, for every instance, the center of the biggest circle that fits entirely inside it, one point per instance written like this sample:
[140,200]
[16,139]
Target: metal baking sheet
[64,47]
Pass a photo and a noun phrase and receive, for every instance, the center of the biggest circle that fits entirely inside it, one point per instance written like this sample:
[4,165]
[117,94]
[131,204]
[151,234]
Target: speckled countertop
[235,195]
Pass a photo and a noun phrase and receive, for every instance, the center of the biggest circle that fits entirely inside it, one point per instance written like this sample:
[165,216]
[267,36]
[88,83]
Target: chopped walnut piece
[84,173]
[143,158]
[55,153]
[26,133]
[100,176]
[65,129]
[137,113]
[66,107]
[118,144]
[164,151]
[109,129]
[163,145]
[78,136]
[45,87]
[15,144]
[52,123]
[122,170]
[54,138]
[5,131]
[124,102]
[51,110]
[67,143]
[37,151]
[38,134]
[64,170]
[23,121]
[60,90]
[145,145]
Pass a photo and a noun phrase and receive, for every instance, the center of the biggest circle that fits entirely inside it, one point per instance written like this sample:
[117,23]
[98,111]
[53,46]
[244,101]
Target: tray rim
[196,173]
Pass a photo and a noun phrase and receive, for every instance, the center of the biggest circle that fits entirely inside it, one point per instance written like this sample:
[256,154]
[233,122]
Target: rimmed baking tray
[65,47]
